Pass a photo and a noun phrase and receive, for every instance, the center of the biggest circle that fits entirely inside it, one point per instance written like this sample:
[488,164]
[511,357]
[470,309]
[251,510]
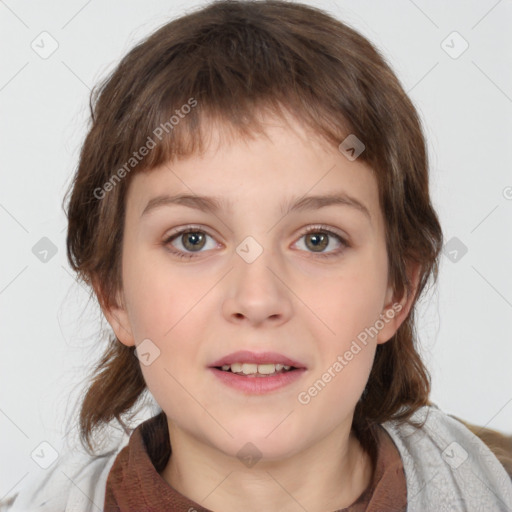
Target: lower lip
[258,385]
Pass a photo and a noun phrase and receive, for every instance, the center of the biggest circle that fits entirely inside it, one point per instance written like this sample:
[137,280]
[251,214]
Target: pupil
[319,241]
[194,241]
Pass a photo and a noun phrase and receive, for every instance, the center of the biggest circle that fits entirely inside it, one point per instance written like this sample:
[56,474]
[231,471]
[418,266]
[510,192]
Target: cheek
[159,296]
[349,304]
[347,301]
[165,305]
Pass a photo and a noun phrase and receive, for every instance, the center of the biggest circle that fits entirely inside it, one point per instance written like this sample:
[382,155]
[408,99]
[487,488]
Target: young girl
[252,210]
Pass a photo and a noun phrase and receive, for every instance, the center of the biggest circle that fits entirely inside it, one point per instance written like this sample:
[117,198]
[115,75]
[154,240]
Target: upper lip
[246,356]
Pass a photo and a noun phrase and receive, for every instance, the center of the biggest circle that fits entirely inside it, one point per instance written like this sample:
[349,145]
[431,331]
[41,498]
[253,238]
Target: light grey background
[49,333]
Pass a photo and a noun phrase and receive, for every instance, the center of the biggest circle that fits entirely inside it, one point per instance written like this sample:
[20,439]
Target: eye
[319,238]
[188,241]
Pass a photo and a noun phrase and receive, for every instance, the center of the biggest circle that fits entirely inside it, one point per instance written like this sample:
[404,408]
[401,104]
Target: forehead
[285,162]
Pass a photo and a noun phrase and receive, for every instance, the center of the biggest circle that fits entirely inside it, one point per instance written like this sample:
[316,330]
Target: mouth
[258,364]
[256,370]
[257,373]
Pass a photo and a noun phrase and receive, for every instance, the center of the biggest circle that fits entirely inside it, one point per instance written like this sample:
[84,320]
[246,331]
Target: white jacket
[447,468]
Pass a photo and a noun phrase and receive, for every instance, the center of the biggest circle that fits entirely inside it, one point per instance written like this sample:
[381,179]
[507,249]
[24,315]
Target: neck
[330,475]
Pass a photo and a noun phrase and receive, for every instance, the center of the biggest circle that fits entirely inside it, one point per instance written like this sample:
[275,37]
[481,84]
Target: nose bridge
[256,292]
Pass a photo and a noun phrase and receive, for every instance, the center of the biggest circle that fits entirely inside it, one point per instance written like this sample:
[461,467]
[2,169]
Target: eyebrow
[215,204]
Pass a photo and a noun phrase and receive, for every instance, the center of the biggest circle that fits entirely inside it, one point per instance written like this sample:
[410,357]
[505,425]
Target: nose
[256,293]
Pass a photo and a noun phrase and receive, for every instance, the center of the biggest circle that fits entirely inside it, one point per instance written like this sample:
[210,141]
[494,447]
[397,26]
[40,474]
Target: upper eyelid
[191,228]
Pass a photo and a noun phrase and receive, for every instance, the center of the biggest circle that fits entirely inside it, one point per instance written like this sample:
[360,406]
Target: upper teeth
[250,368]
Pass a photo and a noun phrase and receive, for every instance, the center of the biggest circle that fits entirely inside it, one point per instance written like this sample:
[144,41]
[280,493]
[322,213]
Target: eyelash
[311,229]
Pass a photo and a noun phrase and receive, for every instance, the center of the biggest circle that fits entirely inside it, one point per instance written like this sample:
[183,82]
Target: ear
[116,315]
[395,311]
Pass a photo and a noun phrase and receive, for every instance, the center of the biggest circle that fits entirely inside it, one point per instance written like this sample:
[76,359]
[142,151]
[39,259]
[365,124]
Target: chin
[272,439]
[259,450]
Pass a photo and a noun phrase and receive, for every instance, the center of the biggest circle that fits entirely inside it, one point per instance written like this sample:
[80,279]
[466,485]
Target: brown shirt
[135,485]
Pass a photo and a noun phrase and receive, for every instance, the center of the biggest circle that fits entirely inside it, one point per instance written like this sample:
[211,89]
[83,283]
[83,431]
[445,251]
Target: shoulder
[76,482]
[448,467]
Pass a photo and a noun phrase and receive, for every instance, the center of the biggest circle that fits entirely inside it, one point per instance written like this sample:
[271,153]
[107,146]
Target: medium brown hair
[237,59]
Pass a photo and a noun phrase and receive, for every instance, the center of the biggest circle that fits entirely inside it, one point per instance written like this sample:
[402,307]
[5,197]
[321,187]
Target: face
[266,264]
